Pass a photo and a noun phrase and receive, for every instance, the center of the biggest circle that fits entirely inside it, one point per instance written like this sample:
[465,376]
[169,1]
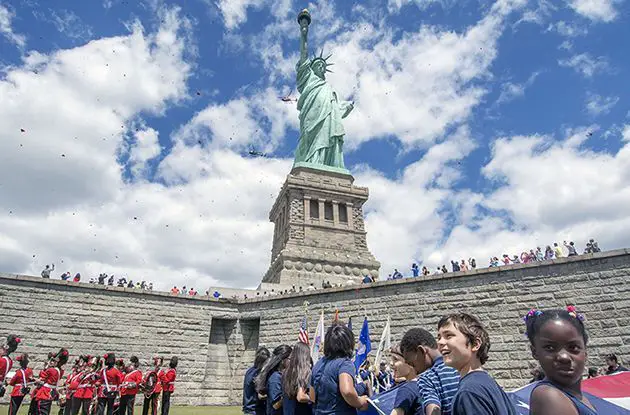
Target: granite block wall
[216,340]
[85,318]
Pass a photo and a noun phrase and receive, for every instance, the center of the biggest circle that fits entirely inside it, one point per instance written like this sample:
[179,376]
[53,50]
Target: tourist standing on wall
[168,384]
[252,404]
[20,381]
[129,387]
[333,388]
[48,380]
[109,379]
[47,270]
[269,381]
[437,383]
[152,387]
[296,381]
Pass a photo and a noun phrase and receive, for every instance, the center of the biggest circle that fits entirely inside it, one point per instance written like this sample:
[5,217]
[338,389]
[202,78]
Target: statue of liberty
[321,130]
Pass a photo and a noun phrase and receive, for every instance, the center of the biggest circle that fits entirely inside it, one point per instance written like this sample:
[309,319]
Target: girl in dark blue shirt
[407,400]
[558,341]
[269,381]
[296,382]
[252,405]
[332,382]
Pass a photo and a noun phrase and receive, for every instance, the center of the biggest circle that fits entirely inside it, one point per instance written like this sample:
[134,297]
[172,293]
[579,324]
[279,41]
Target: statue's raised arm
[321,130]
[304,19]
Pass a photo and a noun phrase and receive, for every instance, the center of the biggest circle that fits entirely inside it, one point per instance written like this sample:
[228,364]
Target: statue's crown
[322,59]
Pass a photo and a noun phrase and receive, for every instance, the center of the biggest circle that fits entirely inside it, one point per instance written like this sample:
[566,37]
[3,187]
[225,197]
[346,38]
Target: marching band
[95,385]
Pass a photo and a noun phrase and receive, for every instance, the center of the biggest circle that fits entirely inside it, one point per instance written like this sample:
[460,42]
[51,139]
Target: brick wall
[87,318]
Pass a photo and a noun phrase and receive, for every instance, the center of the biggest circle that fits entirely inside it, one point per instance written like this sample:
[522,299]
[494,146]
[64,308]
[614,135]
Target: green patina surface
[321,129]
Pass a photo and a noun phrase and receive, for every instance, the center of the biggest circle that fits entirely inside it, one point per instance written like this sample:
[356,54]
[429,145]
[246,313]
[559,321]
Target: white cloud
[599,105]
[596,10]
[419,200]
[204,221]
[144,148]
[417,87]
[537,12]
[260,121]
[577,192]
[545,191]
[394,6]
[567,29]
[511,91]
[6,29]
[68,23]
[626,132]
[586,65]
[234,12]
[63,195]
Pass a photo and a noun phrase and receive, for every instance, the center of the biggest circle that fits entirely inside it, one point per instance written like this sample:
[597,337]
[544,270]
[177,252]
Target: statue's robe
[321,130]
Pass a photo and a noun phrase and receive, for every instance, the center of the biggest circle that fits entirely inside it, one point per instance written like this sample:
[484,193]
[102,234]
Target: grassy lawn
[175,410]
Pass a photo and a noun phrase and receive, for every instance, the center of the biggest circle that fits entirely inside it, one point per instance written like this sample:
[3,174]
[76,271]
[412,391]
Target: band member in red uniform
[85,391]
[129,387]
[168,384]
[32,407]
[152,387]
[72,383]
[23,377]
[48,380]
[5,360]
[110,379]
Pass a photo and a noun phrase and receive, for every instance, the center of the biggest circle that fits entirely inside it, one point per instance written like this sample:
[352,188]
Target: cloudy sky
[481,127]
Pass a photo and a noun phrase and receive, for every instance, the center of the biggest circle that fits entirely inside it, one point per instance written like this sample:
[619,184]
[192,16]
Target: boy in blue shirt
[464,343]
[437,383]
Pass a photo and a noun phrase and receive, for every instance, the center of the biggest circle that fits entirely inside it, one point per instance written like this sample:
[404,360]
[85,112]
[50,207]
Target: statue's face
[319,69]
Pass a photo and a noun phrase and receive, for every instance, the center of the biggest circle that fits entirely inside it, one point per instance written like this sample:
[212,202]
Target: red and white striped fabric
[614,388]
[303,334]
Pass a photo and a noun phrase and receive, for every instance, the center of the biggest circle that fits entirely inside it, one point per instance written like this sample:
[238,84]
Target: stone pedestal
[319,231]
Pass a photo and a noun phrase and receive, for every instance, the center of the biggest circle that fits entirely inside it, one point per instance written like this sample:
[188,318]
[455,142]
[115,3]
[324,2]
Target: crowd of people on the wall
[431,376]
[102,279]
[526,257]
[533,255]
[93,386]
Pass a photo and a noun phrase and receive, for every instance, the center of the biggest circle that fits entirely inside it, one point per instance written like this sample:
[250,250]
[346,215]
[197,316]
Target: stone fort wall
[216,340]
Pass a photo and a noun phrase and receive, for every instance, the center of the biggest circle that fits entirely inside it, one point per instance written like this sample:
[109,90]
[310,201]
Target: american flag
[303,335]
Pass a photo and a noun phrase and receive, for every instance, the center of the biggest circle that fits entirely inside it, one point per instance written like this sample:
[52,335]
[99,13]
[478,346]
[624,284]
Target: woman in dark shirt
[296,381]
[269,381]
[252,405]
[332,383]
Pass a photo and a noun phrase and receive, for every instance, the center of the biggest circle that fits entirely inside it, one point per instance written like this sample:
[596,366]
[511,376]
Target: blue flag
[382,403]
[364,347]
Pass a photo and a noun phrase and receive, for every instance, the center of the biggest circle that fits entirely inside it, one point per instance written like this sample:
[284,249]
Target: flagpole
[384,343]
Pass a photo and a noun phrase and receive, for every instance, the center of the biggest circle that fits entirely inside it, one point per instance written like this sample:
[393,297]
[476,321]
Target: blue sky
[481,127]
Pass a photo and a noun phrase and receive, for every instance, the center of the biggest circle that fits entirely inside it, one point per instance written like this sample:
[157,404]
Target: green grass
[175,410]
